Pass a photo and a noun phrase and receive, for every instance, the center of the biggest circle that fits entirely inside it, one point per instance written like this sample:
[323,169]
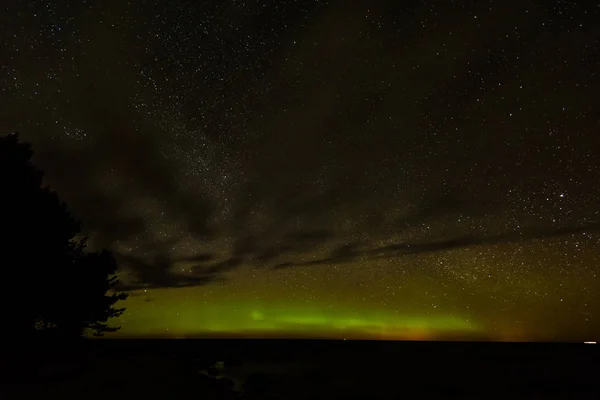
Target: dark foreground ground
[303,369]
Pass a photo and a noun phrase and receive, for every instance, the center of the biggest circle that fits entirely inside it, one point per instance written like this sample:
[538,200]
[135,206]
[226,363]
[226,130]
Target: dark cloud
[157,272]
[445,203]
[199,258]
[348,253]
[285,205]
[221,267]
[279,246]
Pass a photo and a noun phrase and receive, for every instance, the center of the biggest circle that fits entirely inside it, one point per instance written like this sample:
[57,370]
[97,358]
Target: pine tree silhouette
[49,282]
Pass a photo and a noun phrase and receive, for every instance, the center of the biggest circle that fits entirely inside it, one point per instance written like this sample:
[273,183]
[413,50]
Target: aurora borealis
[376,170]
[237,319]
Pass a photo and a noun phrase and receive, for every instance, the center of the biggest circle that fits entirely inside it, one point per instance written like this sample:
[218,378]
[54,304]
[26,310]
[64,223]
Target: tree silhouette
[50,283]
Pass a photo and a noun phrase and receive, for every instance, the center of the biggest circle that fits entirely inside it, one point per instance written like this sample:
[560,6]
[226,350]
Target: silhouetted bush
[51,285]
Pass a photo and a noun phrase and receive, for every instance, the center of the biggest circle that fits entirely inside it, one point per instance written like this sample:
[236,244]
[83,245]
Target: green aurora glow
[264,319]
[374,300]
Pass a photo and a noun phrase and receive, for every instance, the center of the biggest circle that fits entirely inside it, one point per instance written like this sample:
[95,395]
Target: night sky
[352,169]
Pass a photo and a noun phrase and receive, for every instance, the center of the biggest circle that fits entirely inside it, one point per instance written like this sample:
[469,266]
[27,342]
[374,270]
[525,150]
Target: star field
[376,169]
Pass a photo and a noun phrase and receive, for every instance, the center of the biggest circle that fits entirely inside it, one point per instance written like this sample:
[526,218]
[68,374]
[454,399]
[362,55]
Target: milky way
[368,169]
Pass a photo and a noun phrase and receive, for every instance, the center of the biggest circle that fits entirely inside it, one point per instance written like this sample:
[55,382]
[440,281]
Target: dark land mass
[299,369]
